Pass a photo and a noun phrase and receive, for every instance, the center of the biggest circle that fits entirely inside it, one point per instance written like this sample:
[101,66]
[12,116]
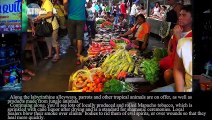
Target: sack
[44,29]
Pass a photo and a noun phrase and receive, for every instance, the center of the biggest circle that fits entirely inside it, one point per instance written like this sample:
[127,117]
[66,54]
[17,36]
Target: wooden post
[147,8]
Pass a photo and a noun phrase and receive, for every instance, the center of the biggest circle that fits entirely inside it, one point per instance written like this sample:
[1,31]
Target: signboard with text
[10,16]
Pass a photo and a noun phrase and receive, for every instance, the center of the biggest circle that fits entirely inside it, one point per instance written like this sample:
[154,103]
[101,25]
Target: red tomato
[100,85]
[96,90]
[84,89]
[100,89]
[97,81]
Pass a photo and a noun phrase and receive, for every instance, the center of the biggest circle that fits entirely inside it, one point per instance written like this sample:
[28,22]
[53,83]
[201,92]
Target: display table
[155,25]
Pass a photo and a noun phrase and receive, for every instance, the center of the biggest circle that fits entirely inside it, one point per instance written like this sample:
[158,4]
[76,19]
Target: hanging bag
[44,28]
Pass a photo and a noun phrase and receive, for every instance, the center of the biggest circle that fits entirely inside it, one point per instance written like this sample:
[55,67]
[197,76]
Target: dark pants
[76,30]
[91,28]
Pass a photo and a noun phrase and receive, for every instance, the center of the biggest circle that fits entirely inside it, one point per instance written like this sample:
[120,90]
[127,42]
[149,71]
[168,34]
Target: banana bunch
[118,61]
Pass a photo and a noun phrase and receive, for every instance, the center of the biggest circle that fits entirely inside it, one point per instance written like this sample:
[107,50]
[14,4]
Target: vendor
[156,10]
[140,32]
[109,18]
[122,23]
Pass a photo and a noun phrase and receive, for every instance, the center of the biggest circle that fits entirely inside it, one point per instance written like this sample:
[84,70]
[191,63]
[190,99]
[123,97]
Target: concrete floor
[54,77]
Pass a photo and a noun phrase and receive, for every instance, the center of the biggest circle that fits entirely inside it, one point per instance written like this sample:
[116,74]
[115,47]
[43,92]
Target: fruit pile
[80,79]
[89,80]
[97,84]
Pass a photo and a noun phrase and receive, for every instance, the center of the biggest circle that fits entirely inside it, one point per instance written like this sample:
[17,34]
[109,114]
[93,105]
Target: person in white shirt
[163,12]
[91,19]
[133,13]
[182,70]
[156,10]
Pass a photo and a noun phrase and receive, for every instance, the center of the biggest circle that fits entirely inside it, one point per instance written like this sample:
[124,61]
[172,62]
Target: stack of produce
[96,48]
[88,80]
[100,21]
[119,43]
[96,85]
[150,69]
[107,24]
[159,53]
[80,79]
[119,61]
[94,62]
[115,85]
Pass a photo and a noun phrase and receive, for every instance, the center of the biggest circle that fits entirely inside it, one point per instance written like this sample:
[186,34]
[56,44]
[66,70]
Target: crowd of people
[82,14]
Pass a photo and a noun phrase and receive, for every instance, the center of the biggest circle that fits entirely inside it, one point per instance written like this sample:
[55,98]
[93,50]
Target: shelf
[9,64]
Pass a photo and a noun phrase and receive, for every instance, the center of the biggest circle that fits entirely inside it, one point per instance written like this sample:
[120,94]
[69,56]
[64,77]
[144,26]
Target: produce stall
[114,64]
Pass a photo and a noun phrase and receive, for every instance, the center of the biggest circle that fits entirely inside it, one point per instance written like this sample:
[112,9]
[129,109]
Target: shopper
[171,16]
[58,5]
[52,41]
[183,59]
[133,13]
[123,9]
[182,69]
[91,19]
[173,12]
[76,21]
[25,22]
[140,32]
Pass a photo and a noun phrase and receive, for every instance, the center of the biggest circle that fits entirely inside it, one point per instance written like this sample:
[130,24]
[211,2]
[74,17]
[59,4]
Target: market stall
[114,64]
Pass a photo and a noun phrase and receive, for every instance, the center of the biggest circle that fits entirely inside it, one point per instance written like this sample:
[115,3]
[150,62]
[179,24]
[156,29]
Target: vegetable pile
[119,43]
[159,53]
[100,21]
[117,86]
[150,69]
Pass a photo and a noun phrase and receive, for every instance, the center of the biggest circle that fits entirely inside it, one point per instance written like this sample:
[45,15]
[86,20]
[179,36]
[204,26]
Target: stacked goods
[119,61]
[159,53]
[107,24]
[119,43]
[100,21]
[96,85]
[96,48]
[115,85]
[80,79]
[94,62]
[150,69]
[88,80]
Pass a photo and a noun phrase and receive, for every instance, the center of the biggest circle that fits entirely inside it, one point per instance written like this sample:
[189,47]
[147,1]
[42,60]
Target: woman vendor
[140,32]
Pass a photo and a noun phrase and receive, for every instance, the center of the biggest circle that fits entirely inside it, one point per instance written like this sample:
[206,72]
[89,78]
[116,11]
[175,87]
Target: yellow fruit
[74,88]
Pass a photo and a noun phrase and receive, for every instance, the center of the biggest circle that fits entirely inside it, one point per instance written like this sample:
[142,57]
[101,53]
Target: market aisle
[54,77]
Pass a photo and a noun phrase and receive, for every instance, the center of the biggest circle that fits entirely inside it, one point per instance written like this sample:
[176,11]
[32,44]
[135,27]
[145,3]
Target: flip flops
[26,78]
[47,57]
[55,59]
[29,72]
[78,62]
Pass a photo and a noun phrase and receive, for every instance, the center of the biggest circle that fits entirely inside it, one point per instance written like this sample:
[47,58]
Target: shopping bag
[44,29]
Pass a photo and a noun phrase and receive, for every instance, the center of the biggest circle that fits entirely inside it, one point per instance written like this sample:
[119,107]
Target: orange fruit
[89,84]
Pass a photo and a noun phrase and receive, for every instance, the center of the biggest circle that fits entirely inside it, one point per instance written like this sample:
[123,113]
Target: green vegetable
[100,21]
[113,86]
[150,68]
[118,86]
[159,53]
